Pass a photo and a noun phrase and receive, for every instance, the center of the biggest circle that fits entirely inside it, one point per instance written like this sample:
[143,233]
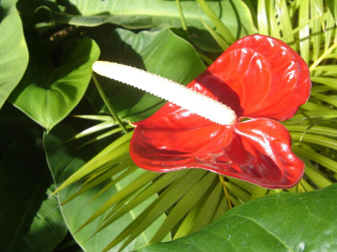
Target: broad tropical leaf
[160,13]
[279,222]
[13,49]
[50,90]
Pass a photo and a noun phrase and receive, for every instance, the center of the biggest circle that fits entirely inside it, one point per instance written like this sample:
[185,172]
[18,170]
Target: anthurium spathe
[263,81]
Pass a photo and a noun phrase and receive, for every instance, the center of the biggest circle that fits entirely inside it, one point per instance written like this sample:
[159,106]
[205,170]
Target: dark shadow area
[24,181]
[70,8]
[13,124]
[27,9]
[68,245]
[204,40]
[3,13]
[221,91]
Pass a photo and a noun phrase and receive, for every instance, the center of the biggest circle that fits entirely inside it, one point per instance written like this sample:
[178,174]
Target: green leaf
[163,203]
[262,17]
[316,10]
[274,29]
[185,205]
[316,176]
[159,13]
[64,160]
[157,186]
[332,4]
[318,158]
[222,28]
[315,139]
[278,222]
[112,154]
[220,41]
[27,213]
[283,13]
[207,210]
[329,32]
[160,52]
[330,82]
[13,49]
[49,91]
[303,18]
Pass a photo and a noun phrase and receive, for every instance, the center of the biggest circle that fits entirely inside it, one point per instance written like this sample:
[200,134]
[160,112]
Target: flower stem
[180,95]
[226,192]
[182,18]
[108,104]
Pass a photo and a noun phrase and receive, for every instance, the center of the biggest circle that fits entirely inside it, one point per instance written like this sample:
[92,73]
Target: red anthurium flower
[264,81]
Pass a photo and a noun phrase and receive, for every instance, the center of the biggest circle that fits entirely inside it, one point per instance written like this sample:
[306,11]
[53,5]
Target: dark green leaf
[278,222]
[26,213]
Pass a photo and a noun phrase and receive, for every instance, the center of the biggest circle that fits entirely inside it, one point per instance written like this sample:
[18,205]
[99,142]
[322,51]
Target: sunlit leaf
[304,32]
[332,4]
[184,205]
[160,206]
[48,92]
[262,17]
[13,49]
[279,222]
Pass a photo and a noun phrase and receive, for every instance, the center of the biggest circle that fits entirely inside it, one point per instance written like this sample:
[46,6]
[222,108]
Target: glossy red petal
[257,151]
[261,153]
[258,76]
[175,138]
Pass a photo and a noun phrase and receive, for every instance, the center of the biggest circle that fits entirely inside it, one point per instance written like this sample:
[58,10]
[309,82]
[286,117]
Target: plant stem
[225,190]
[183,22]
[327,52]
[107,103]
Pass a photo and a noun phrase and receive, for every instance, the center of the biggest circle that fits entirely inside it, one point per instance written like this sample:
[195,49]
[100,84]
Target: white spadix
[168,90]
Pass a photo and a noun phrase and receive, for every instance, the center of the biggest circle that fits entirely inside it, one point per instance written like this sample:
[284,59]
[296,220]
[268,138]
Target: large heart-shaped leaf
[279,222]
[26,212]
[49,91]
[64,160]
[13,49]
[159,52]
[234,15]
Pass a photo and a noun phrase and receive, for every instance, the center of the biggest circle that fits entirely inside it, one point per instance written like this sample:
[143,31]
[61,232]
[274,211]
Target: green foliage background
[64,129]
